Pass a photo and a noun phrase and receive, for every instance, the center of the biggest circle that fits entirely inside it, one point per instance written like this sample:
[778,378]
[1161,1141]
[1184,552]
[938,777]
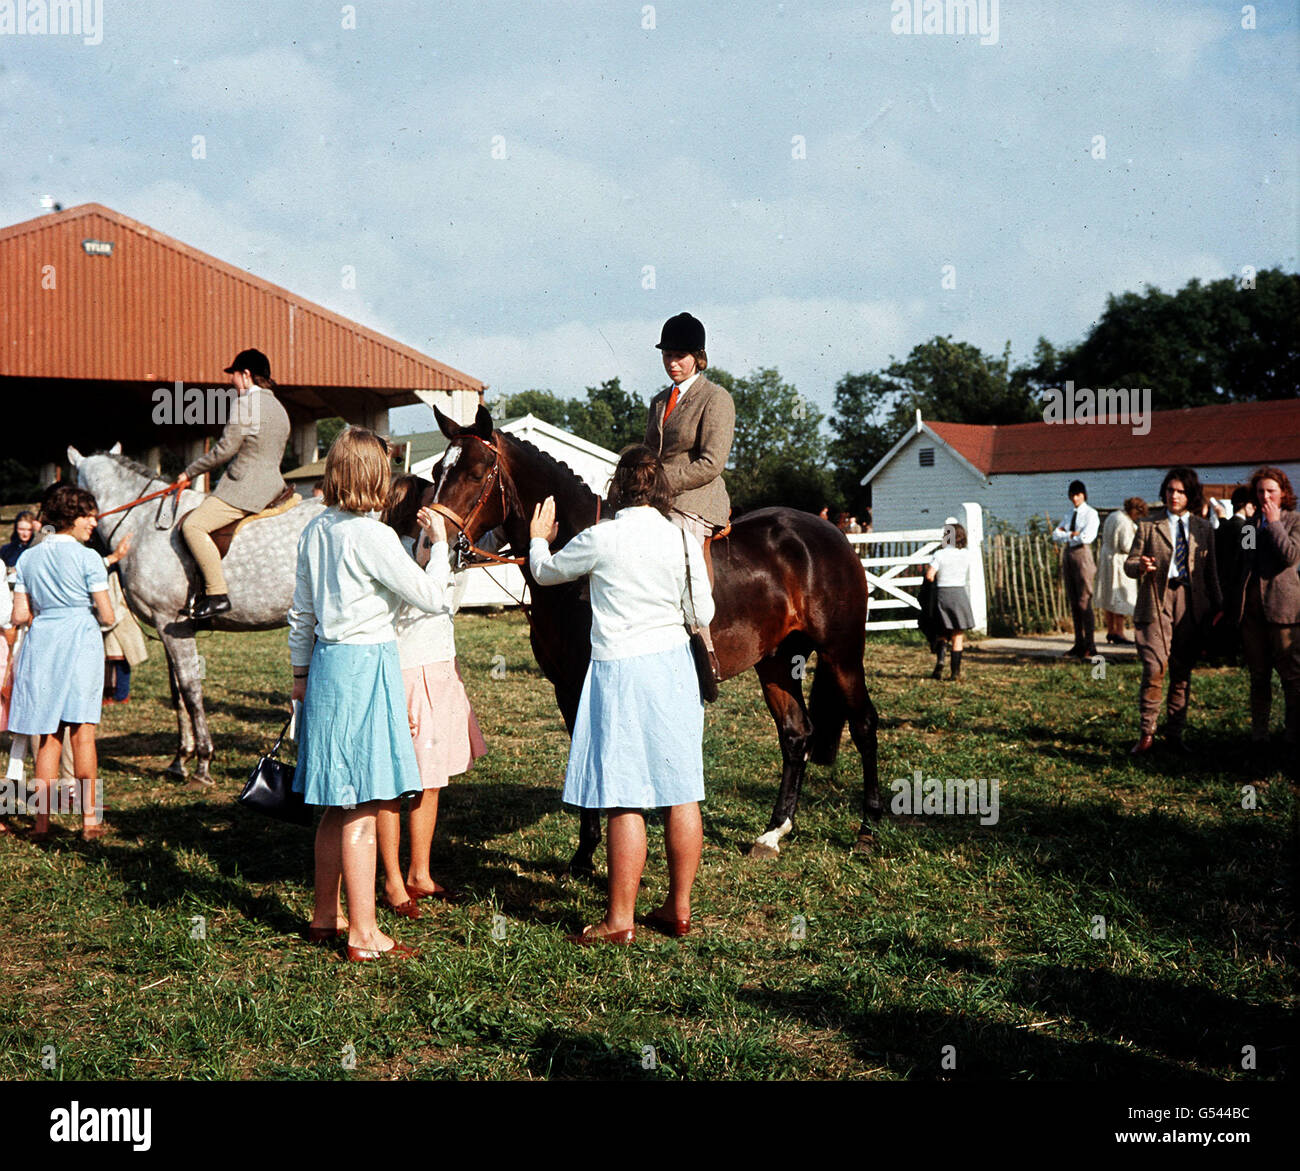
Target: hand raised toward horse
[431,522]
[543,523]
[122,549]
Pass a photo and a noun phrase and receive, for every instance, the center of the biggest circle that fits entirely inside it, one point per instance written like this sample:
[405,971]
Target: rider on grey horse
[253,439]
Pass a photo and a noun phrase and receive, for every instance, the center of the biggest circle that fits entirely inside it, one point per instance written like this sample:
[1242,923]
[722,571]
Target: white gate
[892,597]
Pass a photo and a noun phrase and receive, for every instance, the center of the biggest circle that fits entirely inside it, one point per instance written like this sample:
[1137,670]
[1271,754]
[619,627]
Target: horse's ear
[116,449]
[483,423]
[74,457]
[449,427]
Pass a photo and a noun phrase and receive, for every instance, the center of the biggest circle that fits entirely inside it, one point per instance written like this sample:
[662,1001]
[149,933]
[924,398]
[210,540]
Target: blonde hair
[357,472]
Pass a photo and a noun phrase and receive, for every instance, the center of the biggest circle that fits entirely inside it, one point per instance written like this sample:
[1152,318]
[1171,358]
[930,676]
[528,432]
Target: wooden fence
[1025,591]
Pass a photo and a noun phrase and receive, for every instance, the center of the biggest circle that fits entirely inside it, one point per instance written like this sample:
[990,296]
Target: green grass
[952,933]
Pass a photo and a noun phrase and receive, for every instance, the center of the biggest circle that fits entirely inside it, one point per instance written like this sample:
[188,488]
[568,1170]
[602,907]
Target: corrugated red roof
[157,310]
[1235,433]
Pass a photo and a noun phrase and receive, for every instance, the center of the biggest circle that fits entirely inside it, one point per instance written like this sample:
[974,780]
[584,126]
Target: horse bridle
[463,543]
[125,508]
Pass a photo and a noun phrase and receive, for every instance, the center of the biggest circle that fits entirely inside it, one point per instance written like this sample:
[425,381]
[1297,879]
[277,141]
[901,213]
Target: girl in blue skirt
[354,742]
[637,739]
[58,681]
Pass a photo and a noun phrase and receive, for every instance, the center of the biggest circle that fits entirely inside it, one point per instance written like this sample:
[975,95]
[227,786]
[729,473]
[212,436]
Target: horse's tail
[828,712]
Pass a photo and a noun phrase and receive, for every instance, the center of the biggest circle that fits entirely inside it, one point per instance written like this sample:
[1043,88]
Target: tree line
[1230,340]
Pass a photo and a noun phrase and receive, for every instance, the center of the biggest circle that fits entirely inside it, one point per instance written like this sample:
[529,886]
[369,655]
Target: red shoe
[408,909]
[591,936]
[673,928]
[444,894]
[323,934]
[1143,746]
[399,951]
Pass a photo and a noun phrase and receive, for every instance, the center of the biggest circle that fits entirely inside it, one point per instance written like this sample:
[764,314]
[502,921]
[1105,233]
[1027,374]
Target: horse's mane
[131,465]
[572,483]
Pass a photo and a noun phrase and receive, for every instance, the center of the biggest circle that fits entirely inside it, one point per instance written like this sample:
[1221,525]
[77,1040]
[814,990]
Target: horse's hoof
[762,852]
[581,868]
[200,785]
[864,847]
[176,770]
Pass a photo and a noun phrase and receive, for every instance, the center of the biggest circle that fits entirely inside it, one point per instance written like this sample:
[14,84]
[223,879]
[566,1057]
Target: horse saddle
[223,536]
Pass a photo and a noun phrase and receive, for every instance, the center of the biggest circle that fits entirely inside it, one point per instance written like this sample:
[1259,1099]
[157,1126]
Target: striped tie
[1180,550]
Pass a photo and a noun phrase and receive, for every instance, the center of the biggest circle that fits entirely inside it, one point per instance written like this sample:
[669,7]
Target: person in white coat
[1116,591]
[638,735]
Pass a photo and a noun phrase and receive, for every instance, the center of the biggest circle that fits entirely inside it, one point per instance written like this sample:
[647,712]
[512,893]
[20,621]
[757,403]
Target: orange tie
[672,401]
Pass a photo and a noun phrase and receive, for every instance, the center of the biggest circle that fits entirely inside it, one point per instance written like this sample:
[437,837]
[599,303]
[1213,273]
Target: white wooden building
[1021,471]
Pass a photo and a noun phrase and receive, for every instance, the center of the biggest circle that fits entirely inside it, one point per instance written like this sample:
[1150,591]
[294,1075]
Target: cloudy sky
[526,190]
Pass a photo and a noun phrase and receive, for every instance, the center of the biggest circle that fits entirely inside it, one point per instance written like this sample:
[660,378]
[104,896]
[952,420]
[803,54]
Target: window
[926,456]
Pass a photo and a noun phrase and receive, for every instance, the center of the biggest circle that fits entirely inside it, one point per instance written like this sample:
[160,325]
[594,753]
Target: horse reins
[143,499]
[463,542]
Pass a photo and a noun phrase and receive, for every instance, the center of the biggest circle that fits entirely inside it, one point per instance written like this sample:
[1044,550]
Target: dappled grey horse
[159,573]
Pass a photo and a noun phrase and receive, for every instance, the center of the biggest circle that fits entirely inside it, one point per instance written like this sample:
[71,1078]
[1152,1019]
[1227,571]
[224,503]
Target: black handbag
[704,660]
[270,787]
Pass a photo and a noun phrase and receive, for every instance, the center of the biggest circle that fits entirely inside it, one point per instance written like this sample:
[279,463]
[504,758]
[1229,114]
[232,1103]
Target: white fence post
[889,591]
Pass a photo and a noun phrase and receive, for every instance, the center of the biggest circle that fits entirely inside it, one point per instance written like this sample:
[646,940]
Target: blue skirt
[354,740]
[59,675]
[637,740]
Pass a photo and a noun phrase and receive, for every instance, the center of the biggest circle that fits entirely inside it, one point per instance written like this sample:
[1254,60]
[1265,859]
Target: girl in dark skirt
[950,571]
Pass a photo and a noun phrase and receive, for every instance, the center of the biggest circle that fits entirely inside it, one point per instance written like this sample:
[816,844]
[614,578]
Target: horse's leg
[184,725]
[783,691]
[863,724]
[582,864]
[184,657]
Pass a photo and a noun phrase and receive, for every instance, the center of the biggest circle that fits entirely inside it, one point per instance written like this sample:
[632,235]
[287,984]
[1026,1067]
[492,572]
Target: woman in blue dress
[637,739]
[58,681]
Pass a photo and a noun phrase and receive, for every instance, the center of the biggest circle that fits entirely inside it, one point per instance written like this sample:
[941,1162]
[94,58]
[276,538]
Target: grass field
[818,965]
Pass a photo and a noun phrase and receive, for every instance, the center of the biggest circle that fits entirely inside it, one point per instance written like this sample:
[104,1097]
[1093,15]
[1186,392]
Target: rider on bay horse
[253,440]
[690,427]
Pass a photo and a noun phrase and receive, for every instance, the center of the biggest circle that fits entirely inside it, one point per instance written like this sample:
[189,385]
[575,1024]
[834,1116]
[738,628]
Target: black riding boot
[937,673]
[956,664]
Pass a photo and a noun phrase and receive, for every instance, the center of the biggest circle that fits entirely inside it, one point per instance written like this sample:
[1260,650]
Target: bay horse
[786,583]
[158,574]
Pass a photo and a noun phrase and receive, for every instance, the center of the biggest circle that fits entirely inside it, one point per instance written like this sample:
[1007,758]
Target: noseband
[494,478]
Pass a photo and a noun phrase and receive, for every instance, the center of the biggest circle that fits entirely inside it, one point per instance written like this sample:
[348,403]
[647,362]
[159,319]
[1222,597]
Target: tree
[611,417]
[778,455]
[1226,341]
[861,435]
[955,382]
[543,403]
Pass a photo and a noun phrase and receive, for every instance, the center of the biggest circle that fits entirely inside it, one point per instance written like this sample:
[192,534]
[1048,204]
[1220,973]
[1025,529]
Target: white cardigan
[637,563]
[353,575]
[423,637]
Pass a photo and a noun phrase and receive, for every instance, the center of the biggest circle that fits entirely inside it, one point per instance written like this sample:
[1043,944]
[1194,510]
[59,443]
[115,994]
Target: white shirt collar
[683,387]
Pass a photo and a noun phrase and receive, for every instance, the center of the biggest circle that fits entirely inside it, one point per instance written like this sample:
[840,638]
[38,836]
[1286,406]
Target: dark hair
[958,534]
[404,499]
[639,480]
[1136,507]
[264,382]
[1191,485]
[66,503]
[26,514]
[1241,497]
[1272,473]
[1077,486]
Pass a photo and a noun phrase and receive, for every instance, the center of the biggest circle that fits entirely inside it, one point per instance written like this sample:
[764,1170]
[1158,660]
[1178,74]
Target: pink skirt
[446,734]
[4,703]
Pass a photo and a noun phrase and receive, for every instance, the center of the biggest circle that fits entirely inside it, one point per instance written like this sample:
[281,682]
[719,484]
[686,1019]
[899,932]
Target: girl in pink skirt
[446,734]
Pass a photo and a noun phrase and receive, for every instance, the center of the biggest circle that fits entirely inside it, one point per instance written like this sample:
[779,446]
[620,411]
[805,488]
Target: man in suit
[1078,569]
[1173,558]
[1267,602]
[253,440]
[690,428]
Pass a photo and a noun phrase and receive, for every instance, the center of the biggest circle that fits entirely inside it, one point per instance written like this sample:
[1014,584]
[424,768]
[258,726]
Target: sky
[525,191]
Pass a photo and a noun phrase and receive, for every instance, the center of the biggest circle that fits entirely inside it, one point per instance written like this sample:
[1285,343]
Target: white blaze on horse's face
[448,462]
